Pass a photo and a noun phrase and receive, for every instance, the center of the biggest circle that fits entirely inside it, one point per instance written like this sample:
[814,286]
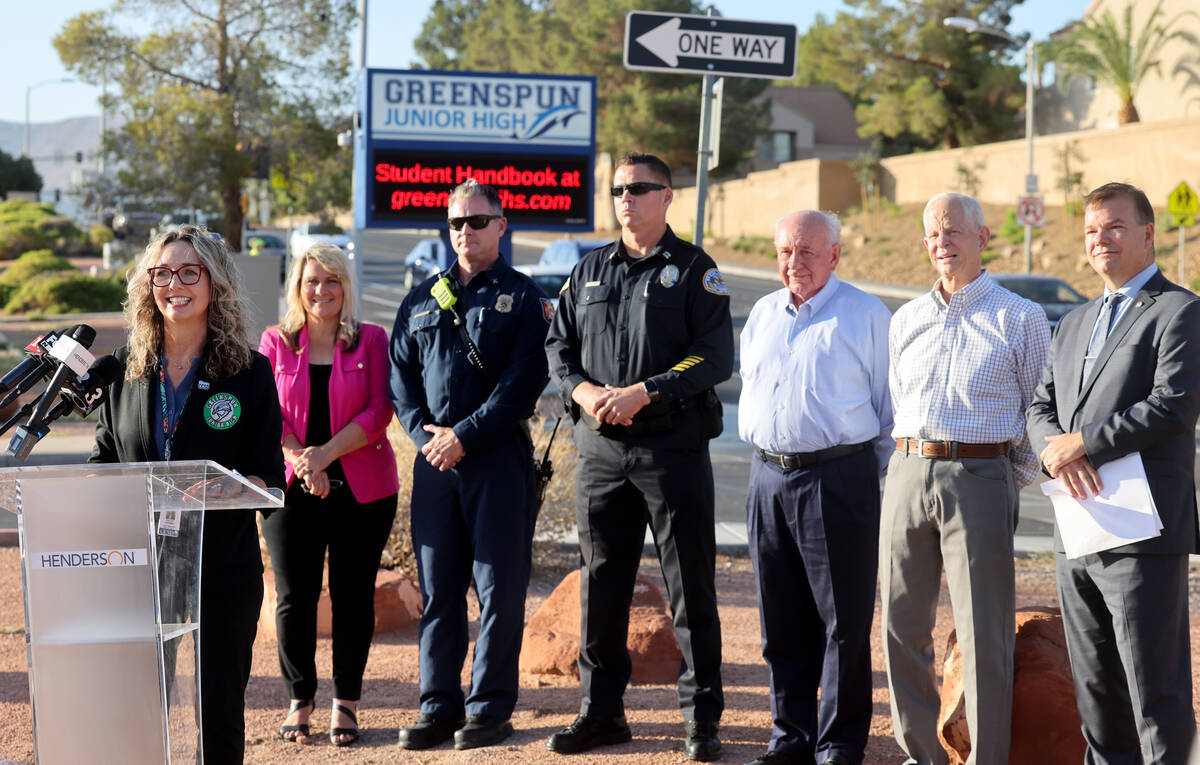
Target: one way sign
[675,42]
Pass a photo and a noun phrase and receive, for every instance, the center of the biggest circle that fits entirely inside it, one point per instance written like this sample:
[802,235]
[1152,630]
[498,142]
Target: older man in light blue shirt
[815,405]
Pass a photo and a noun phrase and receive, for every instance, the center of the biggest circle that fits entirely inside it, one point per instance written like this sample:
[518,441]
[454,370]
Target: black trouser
[620,487]
[814,541]
[228,623]
[297,537]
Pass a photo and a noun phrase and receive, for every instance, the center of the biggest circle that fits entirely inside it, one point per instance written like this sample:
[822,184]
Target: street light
[25,149]
[971,26]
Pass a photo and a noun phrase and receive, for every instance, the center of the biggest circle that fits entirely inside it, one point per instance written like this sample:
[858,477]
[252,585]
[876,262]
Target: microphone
[35,366]
[90,391]
[86,395]
[71,353]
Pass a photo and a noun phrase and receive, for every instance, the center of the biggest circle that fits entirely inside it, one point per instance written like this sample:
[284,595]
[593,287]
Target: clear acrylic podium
[110,561]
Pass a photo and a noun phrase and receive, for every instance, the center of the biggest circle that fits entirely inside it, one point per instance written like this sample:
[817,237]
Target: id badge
[168,523]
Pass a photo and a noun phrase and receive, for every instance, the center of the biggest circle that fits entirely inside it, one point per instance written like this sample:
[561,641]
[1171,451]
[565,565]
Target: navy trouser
[473,522]
[620,487]
[814,544]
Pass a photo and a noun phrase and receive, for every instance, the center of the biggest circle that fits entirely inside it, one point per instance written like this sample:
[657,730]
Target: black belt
[804,459]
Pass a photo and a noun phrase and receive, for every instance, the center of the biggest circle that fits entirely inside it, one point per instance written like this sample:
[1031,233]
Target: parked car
[307,234]
[549,276]
[568,251]
[1056,297]
[134,220]
[426,259]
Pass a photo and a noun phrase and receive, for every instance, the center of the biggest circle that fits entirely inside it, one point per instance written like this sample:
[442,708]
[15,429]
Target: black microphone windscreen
[104,370]
[83,334]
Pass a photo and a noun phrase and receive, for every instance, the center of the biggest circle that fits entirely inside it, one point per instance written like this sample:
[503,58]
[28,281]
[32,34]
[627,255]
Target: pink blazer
[358,392]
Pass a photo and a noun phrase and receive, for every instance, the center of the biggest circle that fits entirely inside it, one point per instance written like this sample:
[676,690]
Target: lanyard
[168,430]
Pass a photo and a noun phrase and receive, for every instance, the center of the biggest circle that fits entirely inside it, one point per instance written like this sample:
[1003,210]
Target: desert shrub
[30,265]
[28,226]
[754,245]
[59,292]
[100,236]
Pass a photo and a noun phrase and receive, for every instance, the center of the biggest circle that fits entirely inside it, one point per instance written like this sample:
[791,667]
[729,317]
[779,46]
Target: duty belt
[794,460]
[950,450]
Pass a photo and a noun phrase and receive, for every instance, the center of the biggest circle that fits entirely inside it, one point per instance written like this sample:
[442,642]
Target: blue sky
[28,57]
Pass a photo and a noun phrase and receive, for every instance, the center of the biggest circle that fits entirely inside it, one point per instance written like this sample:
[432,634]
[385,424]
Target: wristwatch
[651,389]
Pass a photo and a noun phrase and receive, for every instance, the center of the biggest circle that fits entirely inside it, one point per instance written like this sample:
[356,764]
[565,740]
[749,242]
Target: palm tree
[1117,55]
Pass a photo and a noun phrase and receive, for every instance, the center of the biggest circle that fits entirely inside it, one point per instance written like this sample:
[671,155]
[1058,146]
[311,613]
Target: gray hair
[970,208]
[473,188]
[833,226]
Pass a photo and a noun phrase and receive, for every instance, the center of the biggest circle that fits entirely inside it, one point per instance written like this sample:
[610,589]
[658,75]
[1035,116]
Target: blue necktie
[1104,325]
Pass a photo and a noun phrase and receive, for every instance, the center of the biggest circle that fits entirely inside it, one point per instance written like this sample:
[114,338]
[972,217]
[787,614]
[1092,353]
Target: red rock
[1045,721]
[551,642]
[397,603]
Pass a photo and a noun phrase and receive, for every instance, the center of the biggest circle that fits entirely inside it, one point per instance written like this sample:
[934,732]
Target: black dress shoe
[482,730]
[702,743]
[836,759]
[428,731]
[588,732]
[781,758]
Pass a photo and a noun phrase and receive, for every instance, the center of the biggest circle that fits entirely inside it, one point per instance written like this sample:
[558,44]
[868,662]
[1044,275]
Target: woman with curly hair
[331,371]
[194,388]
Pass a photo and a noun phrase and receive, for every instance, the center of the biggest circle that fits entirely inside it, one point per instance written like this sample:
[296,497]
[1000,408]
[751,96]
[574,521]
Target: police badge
[669,275]
[504,303]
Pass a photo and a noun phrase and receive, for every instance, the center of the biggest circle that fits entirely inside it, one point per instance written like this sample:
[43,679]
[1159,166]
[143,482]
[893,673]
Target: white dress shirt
[816,376]
[966,370]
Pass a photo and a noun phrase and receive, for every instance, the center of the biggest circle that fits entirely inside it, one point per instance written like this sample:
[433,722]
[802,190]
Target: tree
[914,82]
[208,86]
[17,174]
[1116,54]
[644,111]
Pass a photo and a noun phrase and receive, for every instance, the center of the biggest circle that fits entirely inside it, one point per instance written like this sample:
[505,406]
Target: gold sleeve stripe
[687,364]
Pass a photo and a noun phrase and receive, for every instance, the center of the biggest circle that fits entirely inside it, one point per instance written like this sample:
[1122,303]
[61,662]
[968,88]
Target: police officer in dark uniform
[467,369]
[641,337]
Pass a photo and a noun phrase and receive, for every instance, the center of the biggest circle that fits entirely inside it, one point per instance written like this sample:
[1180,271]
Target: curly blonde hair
[330,257]
[228,347]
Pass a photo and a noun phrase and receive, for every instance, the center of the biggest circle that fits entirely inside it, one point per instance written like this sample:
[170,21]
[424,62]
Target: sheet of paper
[1121,514]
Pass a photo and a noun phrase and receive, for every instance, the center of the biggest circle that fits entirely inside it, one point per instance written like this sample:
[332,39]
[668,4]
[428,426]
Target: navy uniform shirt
[663,317]
[432,380]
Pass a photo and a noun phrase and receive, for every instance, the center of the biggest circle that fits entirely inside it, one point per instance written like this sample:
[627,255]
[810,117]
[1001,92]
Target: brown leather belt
[950,450]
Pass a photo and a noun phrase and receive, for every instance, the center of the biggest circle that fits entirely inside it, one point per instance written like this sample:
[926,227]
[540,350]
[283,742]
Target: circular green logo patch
[222,411]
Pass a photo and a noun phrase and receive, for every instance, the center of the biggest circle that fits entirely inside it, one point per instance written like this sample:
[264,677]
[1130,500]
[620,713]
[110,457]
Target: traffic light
[58,195]
[79,157]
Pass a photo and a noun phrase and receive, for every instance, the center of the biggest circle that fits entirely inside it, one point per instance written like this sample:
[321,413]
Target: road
[383,289]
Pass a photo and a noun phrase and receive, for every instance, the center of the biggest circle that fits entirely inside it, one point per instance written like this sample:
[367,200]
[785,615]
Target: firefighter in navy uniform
[467,369]
[641,337]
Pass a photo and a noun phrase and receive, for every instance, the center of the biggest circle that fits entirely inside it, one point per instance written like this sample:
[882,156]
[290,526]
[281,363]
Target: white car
[549,276]
[307,234]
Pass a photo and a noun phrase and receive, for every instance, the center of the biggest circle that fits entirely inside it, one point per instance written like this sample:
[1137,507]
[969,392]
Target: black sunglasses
[476,222]
[637,188]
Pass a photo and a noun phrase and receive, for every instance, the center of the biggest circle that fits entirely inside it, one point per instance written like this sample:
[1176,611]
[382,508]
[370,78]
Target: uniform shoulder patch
[547,309]
[714,282]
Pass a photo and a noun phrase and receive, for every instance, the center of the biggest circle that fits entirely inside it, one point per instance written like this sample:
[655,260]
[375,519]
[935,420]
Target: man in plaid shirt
[965,360]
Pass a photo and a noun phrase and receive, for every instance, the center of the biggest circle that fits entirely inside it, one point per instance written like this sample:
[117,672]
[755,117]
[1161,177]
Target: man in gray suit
[1123,376]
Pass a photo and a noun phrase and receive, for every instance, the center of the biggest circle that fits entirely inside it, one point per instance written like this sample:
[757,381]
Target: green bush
[100,236]
[1011,230]
[58,292]
[30,265]
[28,226]
[754,245]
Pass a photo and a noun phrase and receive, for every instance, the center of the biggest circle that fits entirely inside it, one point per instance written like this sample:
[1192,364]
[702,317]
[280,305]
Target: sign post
[1183,205]
[707,45]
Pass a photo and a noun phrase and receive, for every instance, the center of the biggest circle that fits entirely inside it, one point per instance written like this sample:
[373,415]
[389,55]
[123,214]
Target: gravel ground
[546,704]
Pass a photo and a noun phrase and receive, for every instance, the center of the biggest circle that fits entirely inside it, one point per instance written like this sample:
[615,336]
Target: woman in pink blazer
[332,373]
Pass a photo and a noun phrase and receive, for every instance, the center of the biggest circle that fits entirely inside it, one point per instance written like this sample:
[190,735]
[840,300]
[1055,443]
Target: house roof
[826,108]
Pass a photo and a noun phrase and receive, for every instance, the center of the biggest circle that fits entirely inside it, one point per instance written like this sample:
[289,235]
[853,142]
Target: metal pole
[1031,179]
[25,145]
[355,232]
[1182,245]
[702,160]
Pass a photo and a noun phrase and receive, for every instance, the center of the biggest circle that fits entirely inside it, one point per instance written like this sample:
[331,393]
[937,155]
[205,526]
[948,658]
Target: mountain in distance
[53,146]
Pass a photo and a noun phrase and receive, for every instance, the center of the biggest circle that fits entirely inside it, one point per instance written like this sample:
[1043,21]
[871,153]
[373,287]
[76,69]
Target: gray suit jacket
[1143,395]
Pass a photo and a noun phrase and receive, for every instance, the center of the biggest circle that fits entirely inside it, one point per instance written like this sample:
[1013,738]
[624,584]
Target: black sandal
[303,729]
[351,732]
